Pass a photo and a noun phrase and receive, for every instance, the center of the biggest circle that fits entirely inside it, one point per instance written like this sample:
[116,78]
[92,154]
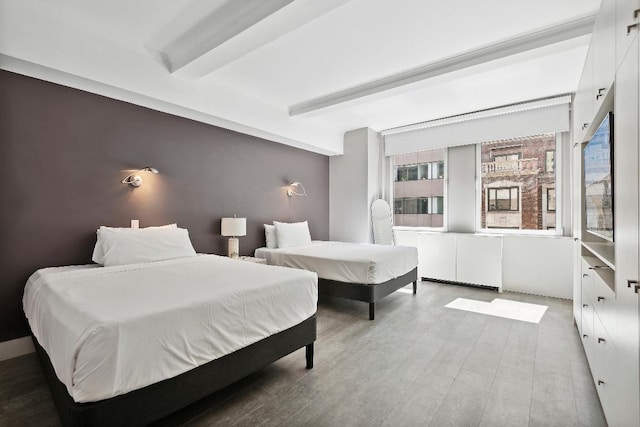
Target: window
[503,199]
[421,171]
[549,161]
[398,206]
[506,158]
[437,170]
[407,173]
[551,199]
[419,206]
[410,206]
[423,205]
[437,205]
[518,181]
[418,189]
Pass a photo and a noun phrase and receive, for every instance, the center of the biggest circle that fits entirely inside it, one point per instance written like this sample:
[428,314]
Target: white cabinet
[608,315]
[437,256]
[604,60]
[597,321]
[626,189]
[458,257]
[603,370]
[479,260]
[598,73]
[583,101]
[625,32]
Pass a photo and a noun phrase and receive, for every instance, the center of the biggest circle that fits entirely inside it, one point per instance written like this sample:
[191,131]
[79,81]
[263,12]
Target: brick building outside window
[518,183]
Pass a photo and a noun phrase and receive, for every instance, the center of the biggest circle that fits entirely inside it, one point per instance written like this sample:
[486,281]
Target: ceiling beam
[236,29]
[537,39]
[225,22]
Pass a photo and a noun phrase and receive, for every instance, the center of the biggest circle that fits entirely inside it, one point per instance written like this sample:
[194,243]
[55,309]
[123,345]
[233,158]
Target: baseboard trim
[17,347]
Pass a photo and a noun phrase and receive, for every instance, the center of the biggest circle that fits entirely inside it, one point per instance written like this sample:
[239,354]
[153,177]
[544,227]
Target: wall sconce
[233,227]
[298,185]
[134,179]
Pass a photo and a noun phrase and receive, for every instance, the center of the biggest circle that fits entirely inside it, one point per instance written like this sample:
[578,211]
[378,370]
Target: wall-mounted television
[598,181]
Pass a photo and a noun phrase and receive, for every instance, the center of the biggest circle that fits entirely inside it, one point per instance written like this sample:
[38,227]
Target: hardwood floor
[417,364]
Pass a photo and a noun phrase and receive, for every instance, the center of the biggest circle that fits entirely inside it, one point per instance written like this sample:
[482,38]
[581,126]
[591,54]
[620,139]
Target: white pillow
[270,236]
[293,234]
[144,245]
[98,253]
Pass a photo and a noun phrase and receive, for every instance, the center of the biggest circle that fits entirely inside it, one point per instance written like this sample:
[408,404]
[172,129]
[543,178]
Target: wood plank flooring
[417,364]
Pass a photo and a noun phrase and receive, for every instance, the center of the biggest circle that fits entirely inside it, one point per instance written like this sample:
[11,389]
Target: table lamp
[234,227]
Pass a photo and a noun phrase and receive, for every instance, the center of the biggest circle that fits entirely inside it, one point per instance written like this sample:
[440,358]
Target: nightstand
[253,259]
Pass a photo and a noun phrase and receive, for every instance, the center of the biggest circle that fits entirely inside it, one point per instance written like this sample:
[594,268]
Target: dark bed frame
[153,402]
[370,293]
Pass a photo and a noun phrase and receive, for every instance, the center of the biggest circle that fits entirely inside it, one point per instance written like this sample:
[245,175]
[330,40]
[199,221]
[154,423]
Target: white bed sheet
[346,262]
[110,330]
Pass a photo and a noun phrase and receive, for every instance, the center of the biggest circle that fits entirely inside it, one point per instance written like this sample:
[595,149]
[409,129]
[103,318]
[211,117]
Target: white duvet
[346,262]
[110,330]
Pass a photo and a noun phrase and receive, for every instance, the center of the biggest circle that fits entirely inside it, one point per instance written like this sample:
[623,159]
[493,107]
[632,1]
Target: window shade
[532,118]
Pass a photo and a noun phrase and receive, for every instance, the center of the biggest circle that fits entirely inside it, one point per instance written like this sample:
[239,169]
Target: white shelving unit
[605,296]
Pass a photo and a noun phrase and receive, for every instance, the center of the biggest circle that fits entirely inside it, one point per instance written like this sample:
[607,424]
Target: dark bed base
[141,407]
[367,292]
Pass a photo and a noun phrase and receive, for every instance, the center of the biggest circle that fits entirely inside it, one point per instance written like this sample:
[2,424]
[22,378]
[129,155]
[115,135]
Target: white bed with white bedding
[357,271]
[110,330]
[345,262]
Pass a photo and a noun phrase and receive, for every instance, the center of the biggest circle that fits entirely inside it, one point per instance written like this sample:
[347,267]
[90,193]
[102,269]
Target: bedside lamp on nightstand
[234,228]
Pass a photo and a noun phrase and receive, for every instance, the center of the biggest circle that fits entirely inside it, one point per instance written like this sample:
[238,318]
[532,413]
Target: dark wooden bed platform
[370,293]
[151,403]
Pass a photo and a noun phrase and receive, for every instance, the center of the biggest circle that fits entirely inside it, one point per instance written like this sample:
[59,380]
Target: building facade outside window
[518,183]
[418,189]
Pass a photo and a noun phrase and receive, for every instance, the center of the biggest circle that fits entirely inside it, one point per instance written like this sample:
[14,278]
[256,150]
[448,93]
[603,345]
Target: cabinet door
[577,286]
[437,256]
[603,369]
[626,236]
[604,58]
[624,17]
[479,260]
[583,101]
[586,332]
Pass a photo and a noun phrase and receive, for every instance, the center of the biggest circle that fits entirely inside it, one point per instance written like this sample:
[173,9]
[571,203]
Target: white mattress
[346,262]
[110,330]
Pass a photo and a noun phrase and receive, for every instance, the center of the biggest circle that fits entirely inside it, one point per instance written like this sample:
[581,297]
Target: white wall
[353,186]
[461,189]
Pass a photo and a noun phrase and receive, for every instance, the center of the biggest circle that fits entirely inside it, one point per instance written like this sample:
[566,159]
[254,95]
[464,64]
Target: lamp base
[234,247]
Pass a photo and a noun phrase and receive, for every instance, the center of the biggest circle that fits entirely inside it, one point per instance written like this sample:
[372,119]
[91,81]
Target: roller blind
[531,118]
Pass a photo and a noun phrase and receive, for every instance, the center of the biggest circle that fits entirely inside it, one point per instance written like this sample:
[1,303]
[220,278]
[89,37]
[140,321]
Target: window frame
[392,168]
[562,171]
[559,168]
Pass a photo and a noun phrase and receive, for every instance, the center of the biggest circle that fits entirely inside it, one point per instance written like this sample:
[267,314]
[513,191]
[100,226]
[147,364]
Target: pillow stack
[121,246]
[287,235]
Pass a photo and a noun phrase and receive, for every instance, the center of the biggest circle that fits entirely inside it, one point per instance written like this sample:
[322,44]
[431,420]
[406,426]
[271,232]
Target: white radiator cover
[539,265]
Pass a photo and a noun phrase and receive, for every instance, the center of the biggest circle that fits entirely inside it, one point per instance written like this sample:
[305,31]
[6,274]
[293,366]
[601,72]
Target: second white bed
[346,262]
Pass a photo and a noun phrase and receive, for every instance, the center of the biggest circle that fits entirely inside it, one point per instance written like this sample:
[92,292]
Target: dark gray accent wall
[63,153]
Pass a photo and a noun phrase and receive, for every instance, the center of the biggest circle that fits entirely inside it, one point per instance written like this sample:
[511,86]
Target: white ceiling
[303,72]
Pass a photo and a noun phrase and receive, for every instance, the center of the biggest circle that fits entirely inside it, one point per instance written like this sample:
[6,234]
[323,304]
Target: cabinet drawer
[604,367]
[587,280]
[603,300]
[586,329]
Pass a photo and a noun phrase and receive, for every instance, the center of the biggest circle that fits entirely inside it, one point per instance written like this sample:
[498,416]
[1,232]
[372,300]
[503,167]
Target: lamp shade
[234,227]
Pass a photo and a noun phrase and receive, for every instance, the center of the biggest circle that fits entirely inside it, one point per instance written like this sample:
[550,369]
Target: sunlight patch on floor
[508,309]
